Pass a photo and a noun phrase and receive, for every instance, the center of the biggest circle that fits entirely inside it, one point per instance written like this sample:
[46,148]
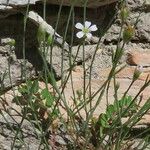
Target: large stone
[139,58]
[143,28]
[34,64]
[138,4]
[140,10]
[13,71]
[12,26]
[101,16]
[126,74]
[17,2]
[79,3]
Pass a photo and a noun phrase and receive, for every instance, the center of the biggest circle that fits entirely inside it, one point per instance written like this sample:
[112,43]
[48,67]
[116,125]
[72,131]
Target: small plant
[106,120]
[38,104]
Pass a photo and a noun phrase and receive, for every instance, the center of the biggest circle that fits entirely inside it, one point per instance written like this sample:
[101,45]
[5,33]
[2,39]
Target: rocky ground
[137,54]
[99,75]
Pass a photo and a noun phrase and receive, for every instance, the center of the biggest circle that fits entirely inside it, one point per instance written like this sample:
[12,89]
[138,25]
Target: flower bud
[12,42]
[124,13]
[137,72]
[128,33]
[41,34]
[117,86]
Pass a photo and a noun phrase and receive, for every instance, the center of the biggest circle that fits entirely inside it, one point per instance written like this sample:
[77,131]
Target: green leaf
[128,100]
[23,90]
[56,112]
[110,111]
[35,86]
[116,106]
[104,120]
[48,97]
[122,103]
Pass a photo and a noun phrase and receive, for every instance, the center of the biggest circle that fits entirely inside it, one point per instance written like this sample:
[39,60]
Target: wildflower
[86,30]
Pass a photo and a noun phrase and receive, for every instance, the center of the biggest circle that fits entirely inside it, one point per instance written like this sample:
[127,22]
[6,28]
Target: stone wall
[138,9]
[12,27]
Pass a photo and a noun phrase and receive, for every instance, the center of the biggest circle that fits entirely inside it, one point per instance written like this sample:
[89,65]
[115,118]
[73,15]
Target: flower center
[85,30]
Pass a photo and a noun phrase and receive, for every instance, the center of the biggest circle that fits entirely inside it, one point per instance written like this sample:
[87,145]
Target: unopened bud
[124,13]
[12,42]
[41,34]
[137,72]
[117,85]
[128,33]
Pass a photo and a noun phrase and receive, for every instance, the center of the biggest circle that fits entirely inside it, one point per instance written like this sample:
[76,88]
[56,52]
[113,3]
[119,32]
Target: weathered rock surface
[143,28]
[124,78]
[137,58]
[142,34]
[79,3]
[32,65]
[12,26]
[101,16]
[12,70]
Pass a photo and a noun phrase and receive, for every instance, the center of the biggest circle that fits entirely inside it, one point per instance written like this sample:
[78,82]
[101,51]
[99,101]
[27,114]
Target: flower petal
[89,35]
[79,26]
[93,28]
[87,24]
[80,34]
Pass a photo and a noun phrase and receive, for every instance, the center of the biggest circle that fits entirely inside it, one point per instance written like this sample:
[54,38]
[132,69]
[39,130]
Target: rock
[134,5]
[11,70]
[11,17]
[142,33]
[17,2]
[97,16]
[124,78]
[32,65]
[138,144]
[7,136]
[138,58]
[39,21]
[60,140]
[12,23]
[79,3]
[57,55]
[138,4]
[126,73]
[5,41]
[143,28]
[112,35]
[147,3]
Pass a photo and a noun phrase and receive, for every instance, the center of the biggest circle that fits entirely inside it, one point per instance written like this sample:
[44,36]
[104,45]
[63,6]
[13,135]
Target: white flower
[86,30]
